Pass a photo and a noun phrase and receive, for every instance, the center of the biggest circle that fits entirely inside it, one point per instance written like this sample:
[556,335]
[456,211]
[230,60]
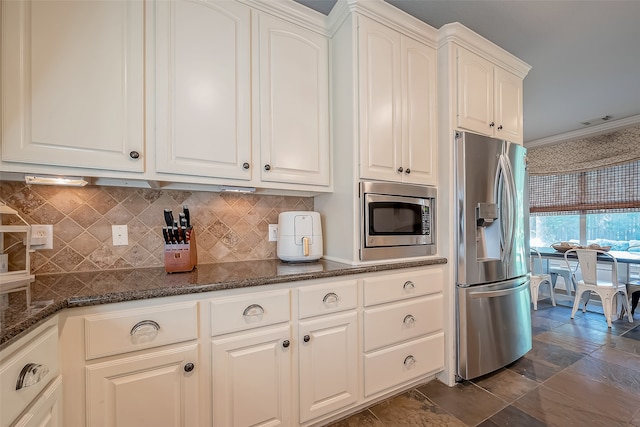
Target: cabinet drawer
[34,365]
[402,321]
[399,286]
[137,329]
[328,298]
[396,365]
[249,311]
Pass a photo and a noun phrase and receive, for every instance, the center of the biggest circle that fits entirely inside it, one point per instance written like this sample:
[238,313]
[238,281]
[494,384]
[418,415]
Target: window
[598,206]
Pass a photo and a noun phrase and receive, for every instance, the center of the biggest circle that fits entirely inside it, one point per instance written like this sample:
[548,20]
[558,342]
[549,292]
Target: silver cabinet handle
[145,327]
[409,320]
[253,310]
[31,374]
[409,361]
[331,298]
[408,285]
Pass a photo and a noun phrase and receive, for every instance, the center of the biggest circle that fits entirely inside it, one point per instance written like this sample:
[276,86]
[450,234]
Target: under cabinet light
[233,189]
[73,181]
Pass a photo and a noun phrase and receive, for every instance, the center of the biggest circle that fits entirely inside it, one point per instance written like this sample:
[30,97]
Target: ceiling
[585,56]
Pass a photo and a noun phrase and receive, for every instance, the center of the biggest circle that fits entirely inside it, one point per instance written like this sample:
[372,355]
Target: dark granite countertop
[54,292]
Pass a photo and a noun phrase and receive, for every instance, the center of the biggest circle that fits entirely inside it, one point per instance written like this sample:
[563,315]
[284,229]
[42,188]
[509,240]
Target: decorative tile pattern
[229,227]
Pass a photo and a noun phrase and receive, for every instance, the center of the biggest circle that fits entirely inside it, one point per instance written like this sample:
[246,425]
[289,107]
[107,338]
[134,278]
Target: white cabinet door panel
[151,389]
[380,101]
[203,86]
[72,83]
[419,136]
[475,93]
[294,104]
[508,104]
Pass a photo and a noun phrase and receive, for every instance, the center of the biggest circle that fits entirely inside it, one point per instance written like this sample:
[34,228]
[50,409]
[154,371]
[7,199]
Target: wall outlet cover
[41,236]
[273,232]
[120,235]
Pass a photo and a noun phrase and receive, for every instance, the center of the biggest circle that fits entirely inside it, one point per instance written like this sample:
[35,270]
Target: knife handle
[187,215]
[165,233]
[168,217]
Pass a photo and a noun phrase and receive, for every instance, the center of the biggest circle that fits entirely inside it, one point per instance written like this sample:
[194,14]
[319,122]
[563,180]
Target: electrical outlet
[41,236]
[273,232]
[120,235]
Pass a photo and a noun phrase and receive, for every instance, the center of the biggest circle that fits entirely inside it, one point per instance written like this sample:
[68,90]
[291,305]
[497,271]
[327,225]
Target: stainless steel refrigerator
[492,280]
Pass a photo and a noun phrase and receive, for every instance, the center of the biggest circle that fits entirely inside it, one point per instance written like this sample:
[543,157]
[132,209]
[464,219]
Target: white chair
[633,289]
[606,290]
[538,278]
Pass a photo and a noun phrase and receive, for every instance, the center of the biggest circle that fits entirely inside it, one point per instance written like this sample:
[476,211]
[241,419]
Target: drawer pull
[409,320]
[31,374]
[145,328]
[306,338]
[408,285]
[409,361]
[331,298]
[253,310]
[189,367]
[286,343]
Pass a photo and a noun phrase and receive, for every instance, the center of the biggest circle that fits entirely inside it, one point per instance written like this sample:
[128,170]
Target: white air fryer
[299,236]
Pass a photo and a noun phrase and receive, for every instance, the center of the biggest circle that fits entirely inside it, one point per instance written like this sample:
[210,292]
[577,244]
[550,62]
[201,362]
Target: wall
[229,227]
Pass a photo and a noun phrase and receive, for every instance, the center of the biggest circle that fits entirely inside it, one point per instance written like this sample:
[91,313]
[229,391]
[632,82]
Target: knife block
[181,257]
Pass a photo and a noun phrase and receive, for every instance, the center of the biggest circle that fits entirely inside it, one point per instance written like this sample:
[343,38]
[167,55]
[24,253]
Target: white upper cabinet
[397,90]
[489,98]
[293,104]
[203,89]
[73,84]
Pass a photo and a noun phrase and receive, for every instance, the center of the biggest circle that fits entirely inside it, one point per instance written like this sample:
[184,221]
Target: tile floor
[578,373]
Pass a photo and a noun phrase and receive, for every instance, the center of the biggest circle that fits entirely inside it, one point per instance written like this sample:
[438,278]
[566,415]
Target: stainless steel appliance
[492,280]
[397,220]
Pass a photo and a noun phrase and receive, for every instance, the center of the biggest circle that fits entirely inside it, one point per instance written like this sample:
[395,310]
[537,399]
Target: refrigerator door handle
[493,294]
[508,212]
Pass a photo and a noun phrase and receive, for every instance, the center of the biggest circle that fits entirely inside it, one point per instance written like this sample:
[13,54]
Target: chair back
[588,265]
[536,262]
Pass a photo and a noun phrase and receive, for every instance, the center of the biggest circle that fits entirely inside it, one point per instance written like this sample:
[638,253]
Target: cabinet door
[252,378]
[328,364]
[46,411]
[294,104]
[379,100]
[475,93]
[151,389]
[72,83]
[508,106]
[203,89]
[419,119]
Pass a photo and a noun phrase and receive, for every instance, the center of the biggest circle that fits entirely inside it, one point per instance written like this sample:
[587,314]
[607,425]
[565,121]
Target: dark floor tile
[412,409]
[465,401]
[541,324]
[555,409]
[633,334]
[610,401]
[573,338]
[510,417]
[608,373]
[536,370]
[361,419]
[624,344]
[506,384]
[556,349]
[559,313]
[618,357]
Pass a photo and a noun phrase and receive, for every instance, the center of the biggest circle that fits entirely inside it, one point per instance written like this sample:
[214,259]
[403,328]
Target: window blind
[614,188]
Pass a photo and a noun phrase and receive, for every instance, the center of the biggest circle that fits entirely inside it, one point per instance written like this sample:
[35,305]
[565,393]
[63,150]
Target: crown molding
[586,132]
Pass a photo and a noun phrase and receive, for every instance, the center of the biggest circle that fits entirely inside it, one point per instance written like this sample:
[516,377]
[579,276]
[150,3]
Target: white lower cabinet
[30,380]
[155,388]
[403,328]
[46,411]
[252,378]
[300,353]
[251,359]
[328,349]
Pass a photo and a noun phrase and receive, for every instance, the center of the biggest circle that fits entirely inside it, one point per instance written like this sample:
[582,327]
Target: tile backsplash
[229,226]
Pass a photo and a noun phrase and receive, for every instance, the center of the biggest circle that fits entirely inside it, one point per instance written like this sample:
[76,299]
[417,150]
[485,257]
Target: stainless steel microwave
[397,220]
